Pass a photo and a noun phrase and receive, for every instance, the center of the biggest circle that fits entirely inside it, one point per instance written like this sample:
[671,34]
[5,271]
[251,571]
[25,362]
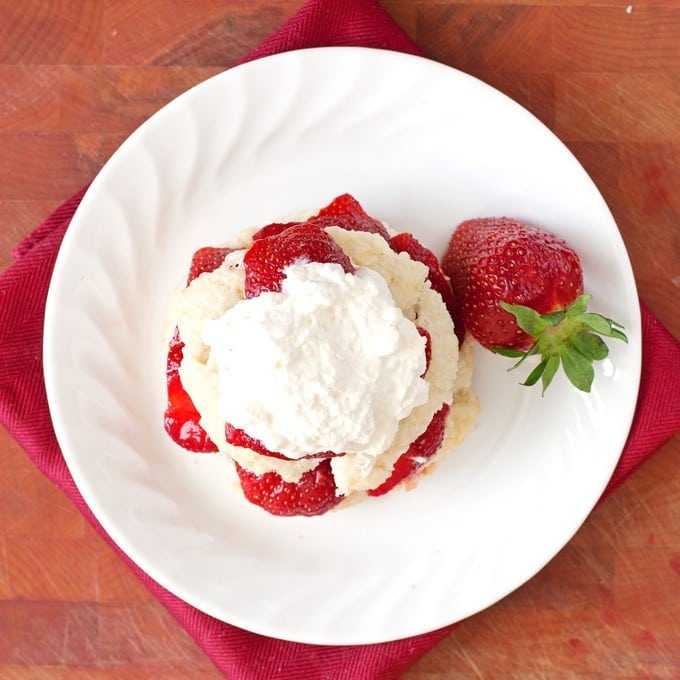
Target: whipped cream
[330,363]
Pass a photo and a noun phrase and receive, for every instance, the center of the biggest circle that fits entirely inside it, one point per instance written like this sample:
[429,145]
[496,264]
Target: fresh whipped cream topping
[330,363]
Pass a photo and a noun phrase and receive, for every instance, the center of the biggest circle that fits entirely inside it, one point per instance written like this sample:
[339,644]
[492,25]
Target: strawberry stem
[568,337]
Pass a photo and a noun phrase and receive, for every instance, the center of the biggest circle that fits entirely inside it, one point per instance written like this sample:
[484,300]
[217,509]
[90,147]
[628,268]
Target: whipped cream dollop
[330,363]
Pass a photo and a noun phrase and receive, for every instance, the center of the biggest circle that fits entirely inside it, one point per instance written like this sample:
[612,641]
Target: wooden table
[77,77]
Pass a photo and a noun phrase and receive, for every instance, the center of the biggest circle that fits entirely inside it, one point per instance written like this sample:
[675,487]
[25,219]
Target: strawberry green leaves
[569,337]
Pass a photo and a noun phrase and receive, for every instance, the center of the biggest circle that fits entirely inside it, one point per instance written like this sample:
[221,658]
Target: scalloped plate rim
[64,429]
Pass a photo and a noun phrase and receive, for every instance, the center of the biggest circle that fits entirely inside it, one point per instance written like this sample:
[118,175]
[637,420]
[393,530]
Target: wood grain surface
[77,76]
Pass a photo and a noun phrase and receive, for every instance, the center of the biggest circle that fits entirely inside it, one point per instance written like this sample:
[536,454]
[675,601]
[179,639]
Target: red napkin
[241,655]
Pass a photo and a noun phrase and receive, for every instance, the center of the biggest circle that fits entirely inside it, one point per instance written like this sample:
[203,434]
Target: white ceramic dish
[422,146]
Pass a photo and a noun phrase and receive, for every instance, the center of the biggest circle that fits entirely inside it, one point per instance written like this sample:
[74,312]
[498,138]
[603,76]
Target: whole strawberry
[520,291]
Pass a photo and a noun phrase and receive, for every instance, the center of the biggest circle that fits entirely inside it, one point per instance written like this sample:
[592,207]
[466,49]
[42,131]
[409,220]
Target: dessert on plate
[324,356]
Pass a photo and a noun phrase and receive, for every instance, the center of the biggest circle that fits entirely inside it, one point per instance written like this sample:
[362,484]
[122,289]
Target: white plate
[422,146]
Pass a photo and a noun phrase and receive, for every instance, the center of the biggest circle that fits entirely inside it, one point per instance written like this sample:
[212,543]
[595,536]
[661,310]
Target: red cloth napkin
[241,655]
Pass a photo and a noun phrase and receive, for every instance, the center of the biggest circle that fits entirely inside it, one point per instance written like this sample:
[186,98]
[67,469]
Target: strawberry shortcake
[323,356]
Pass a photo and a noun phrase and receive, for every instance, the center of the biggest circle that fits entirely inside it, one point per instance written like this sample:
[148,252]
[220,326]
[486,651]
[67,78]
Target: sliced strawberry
[268,257]
[181,417]
[417,455]
[273,229]
[239,437]
[346,212]
[206,260]
[428,345]
[408,243]
[313,494]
